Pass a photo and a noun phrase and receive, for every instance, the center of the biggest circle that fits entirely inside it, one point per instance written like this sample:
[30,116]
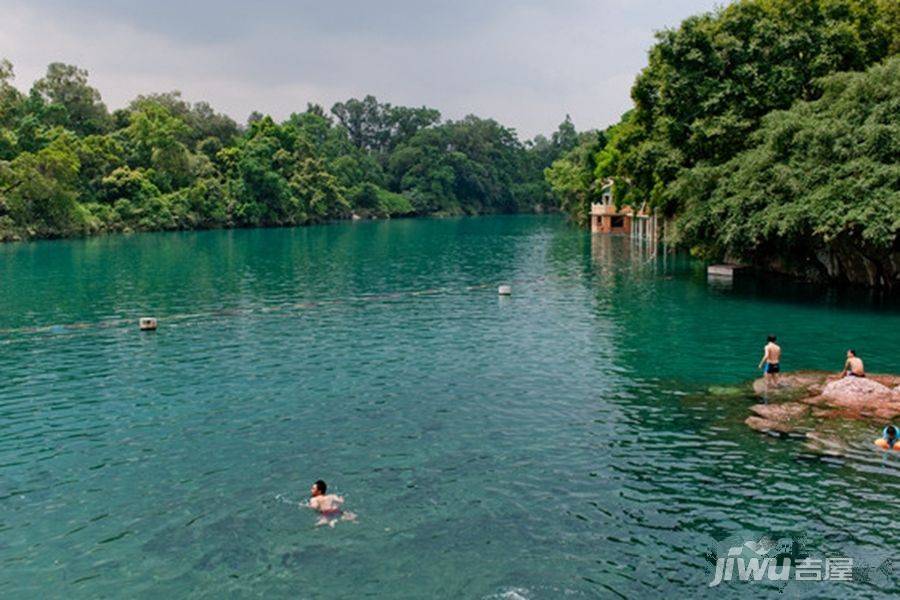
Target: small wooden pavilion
[606,217]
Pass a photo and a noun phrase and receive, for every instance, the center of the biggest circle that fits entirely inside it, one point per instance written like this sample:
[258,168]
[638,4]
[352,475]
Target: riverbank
[163,164]
[8,236]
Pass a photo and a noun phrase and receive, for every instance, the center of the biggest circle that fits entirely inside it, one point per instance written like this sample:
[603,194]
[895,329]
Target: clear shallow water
[554,442]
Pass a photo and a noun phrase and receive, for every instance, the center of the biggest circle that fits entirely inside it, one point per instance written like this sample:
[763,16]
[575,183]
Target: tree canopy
[69,167]
[819,184]
[697,122]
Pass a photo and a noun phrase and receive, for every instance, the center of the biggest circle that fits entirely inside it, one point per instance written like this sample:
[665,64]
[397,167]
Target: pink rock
[825,396]
[765,425]
[790,382]
[786,411]
[815,400]
[836,413]
[887,412]
[888,380]
[856,388]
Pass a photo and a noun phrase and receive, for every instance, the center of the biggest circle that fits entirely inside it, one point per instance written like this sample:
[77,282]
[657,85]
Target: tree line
[766,132]
[69,166]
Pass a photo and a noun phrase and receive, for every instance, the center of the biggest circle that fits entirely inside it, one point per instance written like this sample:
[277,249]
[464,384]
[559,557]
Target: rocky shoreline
[805,400]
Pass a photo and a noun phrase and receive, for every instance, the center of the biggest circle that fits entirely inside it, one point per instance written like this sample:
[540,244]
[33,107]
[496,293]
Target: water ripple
[553,443]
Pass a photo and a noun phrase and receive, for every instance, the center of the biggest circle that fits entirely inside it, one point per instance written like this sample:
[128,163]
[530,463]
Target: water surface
[559,441]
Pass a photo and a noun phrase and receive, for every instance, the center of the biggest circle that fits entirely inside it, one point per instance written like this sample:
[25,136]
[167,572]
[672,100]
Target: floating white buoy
[148,324]
[504,290]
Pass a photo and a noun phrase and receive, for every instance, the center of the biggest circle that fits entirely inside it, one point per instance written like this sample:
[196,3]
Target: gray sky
[525,63]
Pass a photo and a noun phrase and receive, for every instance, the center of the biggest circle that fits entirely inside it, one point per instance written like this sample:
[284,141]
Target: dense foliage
[708,86]
[69,167]
[820,183]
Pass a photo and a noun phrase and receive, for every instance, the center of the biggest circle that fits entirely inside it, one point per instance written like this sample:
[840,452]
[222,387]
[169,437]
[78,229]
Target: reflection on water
[556,442]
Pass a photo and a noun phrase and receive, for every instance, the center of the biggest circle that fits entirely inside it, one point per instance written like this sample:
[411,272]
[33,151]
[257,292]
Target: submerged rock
[789,383]
[768,425]
[786,411]
[817,400]
[835,413]
[783,418]
[717,390]
[825,443]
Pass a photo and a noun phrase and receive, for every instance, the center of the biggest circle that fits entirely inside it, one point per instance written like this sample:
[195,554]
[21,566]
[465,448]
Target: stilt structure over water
[606,217]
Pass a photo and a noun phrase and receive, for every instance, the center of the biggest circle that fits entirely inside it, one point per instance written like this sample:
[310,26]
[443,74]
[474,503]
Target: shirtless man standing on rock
[854,365]
[771,359]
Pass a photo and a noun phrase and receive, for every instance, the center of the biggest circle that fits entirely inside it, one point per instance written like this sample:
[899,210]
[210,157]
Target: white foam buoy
[504,290]
[147,324]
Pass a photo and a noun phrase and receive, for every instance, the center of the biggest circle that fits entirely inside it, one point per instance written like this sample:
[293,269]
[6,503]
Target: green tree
[573,177]
[38,191]
[68,167]
[466,166]
[203,123]
[98,156]
[709,82]
[153,139]
[378,127]
[78,105]
[818,190]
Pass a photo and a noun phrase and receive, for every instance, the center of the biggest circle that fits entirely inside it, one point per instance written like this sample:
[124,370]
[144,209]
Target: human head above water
[319,488]
[890,431]
[772,338]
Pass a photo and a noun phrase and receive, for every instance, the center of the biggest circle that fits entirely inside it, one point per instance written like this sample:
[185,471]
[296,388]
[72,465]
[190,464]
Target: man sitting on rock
[854,365]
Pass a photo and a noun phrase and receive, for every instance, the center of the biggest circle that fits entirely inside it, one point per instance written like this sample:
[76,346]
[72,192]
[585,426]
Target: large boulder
[855,387]
[858,392]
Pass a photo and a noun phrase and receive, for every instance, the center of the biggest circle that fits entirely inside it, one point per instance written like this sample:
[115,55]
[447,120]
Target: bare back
[773,353]
[855,365]
[328,503]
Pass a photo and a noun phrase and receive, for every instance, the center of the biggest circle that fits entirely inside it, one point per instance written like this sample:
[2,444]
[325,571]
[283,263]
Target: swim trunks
[772,368]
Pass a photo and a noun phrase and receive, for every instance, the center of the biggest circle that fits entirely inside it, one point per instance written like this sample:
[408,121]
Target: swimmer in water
[327,505]
[888,439]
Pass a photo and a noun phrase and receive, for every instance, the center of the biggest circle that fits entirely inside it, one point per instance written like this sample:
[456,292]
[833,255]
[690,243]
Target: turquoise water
[554,443]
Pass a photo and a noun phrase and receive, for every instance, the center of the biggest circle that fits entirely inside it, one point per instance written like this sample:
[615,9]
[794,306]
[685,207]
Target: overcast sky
[525,63]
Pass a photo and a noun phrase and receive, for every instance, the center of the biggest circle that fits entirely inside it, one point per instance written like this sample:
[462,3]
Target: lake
[557,442]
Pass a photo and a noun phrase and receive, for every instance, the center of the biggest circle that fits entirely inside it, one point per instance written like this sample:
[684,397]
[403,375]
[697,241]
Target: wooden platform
[724,270]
